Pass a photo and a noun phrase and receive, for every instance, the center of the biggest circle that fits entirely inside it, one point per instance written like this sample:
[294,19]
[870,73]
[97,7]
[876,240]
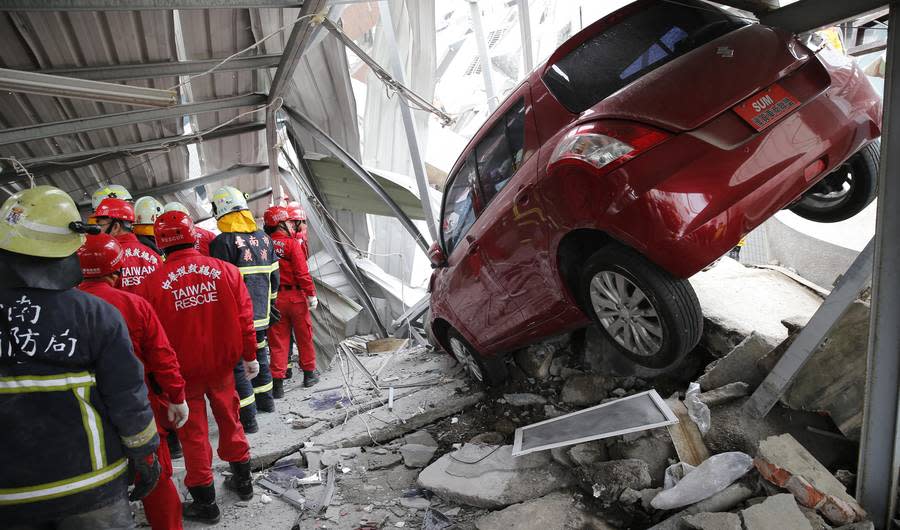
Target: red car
[644,149]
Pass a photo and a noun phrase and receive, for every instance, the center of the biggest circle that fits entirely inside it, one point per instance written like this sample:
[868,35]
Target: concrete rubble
[440,457]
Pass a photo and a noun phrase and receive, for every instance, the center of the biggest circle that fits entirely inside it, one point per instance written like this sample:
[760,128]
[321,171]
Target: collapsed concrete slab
[777,511]
[713,521]
[490,477]
[787,464]
[416,455]
[725,500]
[740,364]
[556,511]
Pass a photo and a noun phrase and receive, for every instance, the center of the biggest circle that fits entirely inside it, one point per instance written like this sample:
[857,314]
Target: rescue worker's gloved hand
[178,414]
[251,369]
[146,471]
[313,302]
[274,315]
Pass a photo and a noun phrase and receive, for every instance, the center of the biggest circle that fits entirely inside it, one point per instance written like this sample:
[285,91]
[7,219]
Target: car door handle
[473,245]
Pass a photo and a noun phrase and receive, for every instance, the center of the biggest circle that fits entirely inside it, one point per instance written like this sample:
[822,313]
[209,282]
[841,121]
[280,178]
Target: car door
[515,240]
[467,284]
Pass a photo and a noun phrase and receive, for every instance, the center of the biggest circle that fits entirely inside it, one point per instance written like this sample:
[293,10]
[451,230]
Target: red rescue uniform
[206,311]
[296,285]
[204,237]
[163,378]
[140,261]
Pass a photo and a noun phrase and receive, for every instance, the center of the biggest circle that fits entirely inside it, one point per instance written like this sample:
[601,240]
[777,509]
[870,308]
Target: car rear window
[631,48]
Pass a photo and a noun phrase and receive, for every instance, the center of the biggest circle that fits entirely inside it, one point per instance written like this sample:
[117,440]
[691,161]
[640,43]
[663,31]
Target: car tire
[490,371]
[652,318]
[858,179]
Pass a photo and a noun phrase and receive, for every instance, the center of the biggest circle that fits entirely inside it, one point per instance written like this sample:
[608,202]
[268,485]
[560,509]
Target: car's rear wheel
[653,318]
[490,371]
[844,192]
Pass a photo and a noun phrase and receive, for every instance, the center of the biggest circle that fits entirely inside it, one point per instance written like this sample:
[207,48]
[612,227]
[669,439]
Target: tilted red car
[644,149]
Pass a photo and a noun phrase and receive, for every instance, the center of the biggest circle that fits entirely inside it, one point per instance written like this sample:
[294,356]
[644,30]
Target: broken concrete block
[834,378]
[815,520]
[383,461]
[720,502]
[556,511]
[864,525]
[588,453]
[490,477]
[416,503]
[587,389]
[778,511]
[561,456]
[725,393]
[487,438]
[629,496]
[611,478]
[655,449]
[415,455]
[535,360]
[739,365]
[713,521]
[787,464]
[524,400]
[420,438]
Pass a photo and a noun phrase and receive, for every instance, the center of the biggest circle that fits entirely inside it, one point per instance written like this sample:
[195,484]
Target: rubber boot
[204,508]
[248,420]
[278,388]
[310,378]
[240,481]
[289,373]
[174,445]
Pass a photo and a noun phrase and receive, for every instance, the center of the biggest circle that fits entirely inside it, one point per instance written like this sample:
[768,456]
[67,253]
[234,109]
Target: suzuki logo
[725,51]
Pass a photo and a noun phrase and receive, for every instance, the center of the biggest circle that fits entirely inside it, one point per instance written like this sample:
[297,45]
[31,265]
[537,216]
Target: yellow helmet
[38,222]
[228,199]
[175,206]
[146,210]
[114,191]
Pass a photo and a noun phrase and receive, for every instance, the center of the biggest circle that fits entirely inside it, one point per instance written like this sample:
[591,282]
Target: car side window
[501,151]
[459,208]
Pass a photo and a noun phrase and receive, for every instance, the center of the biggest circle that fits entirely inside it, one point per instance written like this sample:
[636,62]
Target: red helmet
[115,209]
[100,255]
[295,212]
[173,228]
[275,215]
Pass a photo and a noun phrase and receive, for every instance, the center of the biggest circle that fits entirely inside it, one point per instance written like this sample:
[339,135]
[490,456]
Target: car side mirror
[436,255]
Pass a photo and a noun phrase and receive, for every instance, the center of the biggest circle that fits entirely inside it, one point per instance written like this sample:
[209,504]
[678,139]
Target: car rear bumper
[719,188]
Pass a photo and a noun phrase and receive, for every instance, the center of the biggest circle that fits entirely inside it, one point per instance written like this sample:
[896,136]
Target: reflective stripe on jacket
[253,254]
[206,311]
[73,404]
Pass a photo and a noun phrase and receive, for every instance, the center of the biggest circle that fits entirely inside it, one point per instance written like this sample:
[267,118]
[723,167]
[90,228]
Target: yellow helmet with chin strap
[42,221]
[146,210]
[114,191]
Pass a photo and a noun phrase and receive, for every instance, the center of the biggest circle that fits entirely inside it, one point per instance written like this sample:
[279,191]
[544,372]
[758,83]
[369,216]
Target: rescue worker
[301,233]
[206,311]
[250,250]
[296,297]
[101,260]
[73,404]
[204,236]
[146,210]
[115,217]
[110,191]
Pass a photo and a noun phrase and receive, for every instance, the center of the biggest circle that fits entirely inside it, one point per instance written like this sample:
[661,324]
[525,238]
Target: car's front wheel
[491,371]
[653,318]
[844,192]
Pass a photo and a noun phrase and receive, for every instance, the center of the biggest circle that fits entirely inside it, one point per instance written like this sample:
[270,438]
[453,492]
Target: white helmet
[114,191]
[146,210]
[228,199]
[176,206]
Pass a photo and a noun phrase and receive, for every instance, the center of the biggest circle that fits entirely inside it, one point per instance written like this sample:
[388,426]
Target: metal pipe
[272,153]
[135,5]
[879,451]
[355,167]
[409,125]
[525,29]
[125,72]
[481,40]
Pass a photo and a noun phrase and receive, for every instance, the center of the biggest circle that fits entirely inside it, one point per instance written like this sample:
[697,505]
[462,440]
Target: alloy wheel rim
[832,198]
[626,313]
[465,358]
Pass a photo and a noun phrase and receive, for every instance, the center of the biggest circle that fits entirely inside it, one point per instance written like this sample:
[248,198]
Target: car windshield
[631,48]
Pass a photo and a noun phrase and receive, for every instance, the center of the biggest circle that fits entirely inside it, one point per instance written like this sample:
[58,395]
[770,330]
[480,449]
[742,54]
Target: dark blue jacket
[254,255]
[73,405]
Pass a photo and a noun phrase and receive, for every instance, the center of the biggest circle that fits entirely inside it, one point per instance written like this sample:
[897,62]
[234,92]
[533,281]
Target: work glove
[313,302]
[178,414]
[146,471]
[251,369]
[274,315]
